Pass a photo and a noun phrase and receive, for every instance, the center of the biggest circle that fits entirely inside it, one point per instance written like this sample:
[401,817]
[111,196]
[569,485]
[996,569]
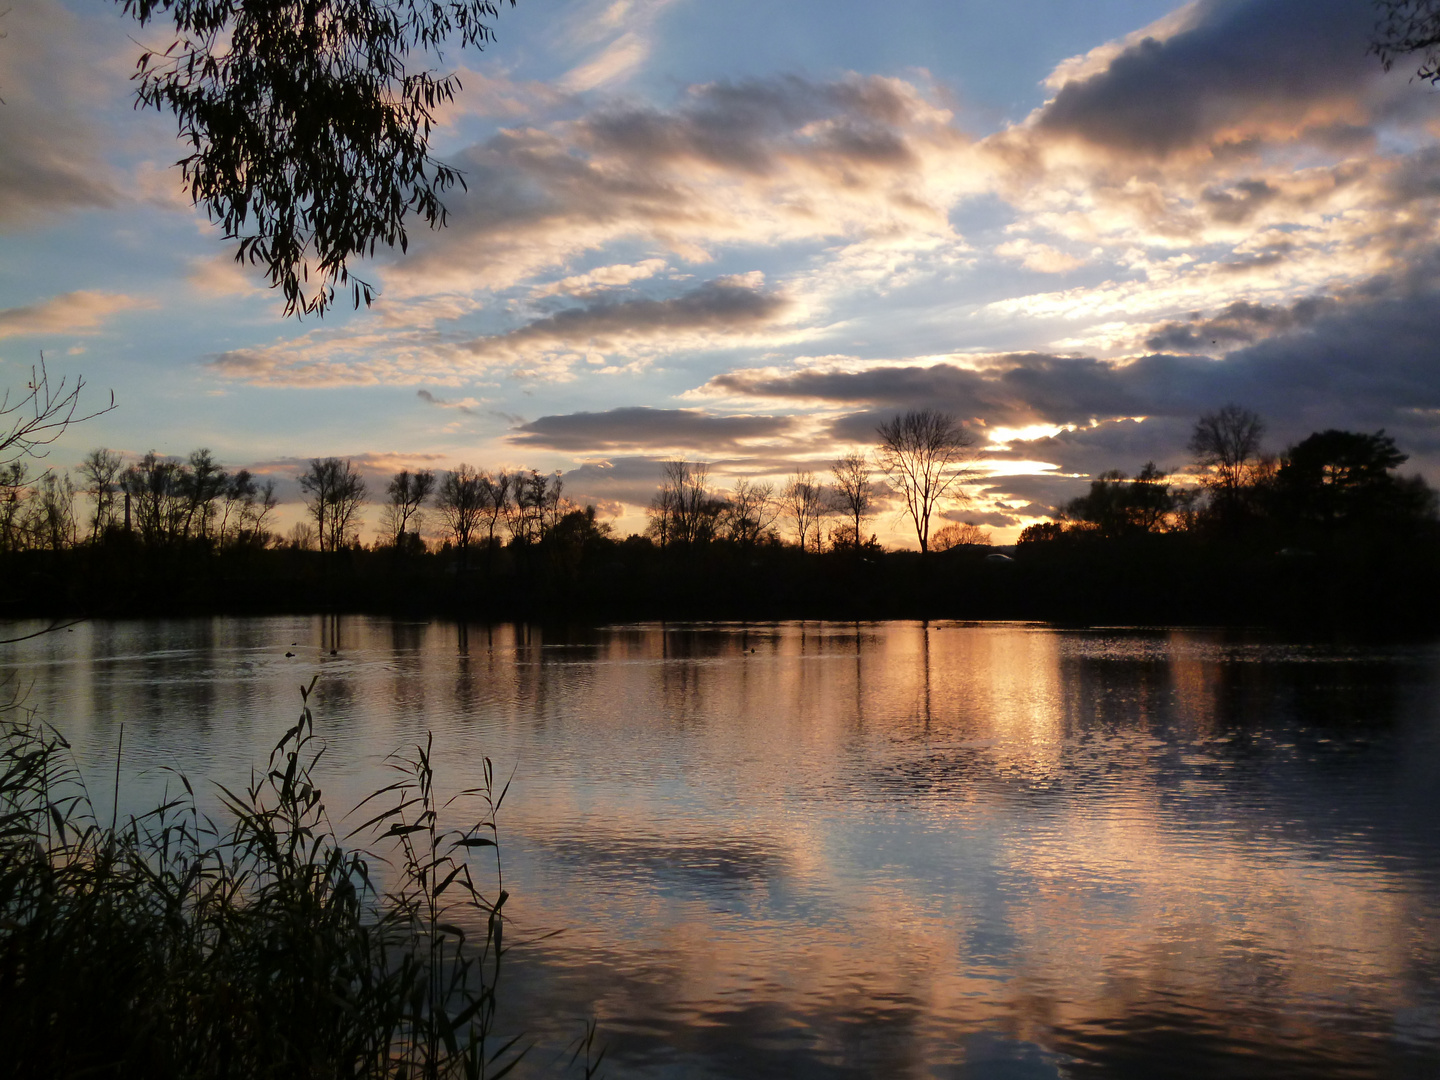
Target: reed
[253,946]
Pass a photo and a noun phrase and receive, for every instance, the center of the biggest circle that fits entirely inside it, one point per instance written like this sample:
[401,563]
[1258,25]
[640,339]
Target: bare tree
[660,523]
[749,511]
[31,421]
[14,500]
[928,455]
[302,536]
[684,510]
[959,534]
[802,501]
[155,486]
[101,472]
[407,493]
[461,502]
[54,524]
[336,493]
[535,506]
[854,491]
[247,506]
[204,483]
[496,491]
[1226,445]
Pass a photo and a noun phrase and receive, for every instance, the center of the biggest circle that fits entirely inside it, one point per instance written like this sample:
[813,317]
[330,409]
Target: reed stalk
[252,945]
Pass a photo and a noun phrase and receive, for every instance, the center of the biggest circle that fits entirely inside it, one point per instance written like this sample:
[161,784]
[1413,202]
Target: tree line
[1332,485]
[923,460]
[163,501]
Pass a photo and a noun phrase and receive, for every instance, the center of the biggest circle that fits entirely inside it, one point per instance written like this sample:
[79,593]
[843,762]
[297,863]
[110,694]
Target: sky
[747,233]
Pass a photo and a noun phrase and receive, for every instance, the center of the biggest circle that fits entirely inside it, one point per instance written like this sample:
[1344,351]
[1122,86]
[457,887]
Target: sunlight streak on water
[886,849]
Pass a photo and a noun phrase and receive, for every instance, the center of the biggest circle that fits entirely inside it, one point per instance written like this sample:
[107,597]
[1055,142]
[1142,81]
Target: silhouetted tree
[158,500]
[854,490]
[14,496]
[496,491]
[928,455]
[406,494]
[54,523]
[531,507]
[1042,532]
[1116,505]
[748,512]
[309,123]
[302,536]
[959,534]
[1346,477]
[246,510]
[336,493]
[1226,445]
[802,501]
[101,472]
[461,502]
[684,510]
[204,483]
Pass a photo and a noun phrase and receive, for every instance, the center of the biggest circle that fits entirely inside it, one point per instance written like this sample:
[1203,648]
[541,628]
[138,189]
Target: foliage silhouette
[175,946]
[309,124]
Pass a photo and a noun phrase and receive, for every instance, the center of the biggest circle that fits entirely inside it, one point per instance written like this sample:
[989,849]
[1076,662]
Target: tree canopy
[309,124]
[1347,476]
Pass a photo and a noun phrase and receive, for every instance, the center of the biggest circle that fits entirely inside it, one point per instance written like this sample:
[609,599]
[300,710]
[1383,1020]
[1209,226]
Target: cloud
[603,335]
[465,405]
[1239,322]
[623,31]
[600,278]
[221,276]
[617,329]
[1362,359]
[757,162]
[618,59]
[1042,258]
[1271,69]
[637,427]
[49,150]
[629,480]
[81,312]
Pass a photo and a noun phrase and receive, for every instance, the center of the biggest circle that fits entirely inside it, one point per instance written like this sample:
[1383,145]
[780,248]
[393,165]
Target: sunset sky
[747,232]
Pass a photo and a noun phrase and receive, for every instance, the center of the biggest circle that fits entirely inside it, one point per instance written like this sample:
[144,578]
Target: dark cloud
[689,429]
[994,518]
[717,307]
[1240,68]
[1088,451]
[1417,178]
[1237,204]
[1360,362]
[751,127]
[1241,322]
[632,480]
[1011,390]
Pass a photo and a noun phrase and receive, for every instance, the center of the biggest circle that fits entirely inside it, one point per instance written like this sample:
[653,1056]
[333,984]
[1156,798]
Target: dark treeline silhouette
[1328,533]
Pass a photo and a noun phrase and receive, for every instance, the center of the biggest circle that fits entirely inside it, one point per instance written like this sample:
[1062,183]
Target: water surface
[900,849]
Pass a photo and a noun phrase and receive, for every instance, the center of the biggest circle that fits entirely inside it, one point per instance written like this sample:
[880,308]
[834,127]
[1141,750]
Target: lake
[894,849]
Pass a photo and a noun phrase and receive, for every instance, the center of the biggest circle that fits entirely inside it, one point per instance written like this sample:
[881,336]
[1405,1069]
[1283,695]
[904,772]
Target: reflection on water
[890,850]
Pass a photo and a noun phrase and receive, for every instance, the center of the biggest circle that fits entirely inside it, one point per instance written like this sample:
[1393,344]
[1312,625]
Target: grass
[260,946]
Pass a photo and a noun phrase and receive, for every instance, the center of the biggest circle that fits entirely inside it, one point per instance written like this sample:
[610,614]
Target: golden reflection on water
[840,845]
